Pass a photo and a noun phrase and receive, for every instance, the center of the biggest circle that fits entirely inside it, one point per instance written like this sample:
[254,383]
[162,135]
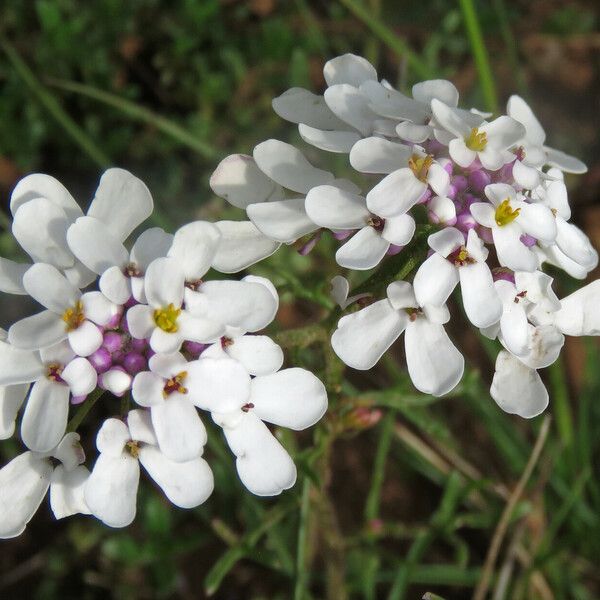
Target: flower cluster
[490,193]
[155,330]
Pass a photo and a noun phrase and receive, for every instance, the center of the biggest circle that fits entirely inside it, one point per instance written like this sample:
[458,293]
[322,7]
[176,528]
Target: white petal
[45,416]
[439,179]
[579,314]
[526,176]
[446,241]
[112,437]
[24,482]
[392,104]
[111,490]
[292,398]
[401,295]
[435,280]
[86,339]
[19,366]
[96,245]
[443,209]
[286,165]
[122,202]
[483,213]
[46,284]
[434,364]
[115,285]
[42,215]
[283,221]
[362,337]
[11,400]
[395,194]
[546,342]
[498,192]
[79,275]
[140,426]
[147,388]
[244,304]
[538,221]
[502,132]
[80,376]
[38,331]
[116,381]
[97,308]
[298,105]
[38,185]
[241,245]
[512,253]
[349,105]
[186,484]
[259,354]
[194,247]
[480,298]
[330,141]
[449,119]
[69,451]
[378,155]
[460,154]
[263,465]
[576,245]
[140,321]
[399,230]
[150,244]
[519,110]
[217,384]
[518,389]
[238,180]
[198,329]
[164,283]
[413,133]
[443,90]
[178,428]
[11,276]
[164,341]
[565,162]
[332,207]
[66,492]
[348,68]
[364,250]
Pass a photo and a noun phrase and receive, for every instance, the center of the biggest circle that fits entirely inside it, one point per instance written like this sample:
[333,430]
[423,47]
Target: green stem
[388,37]
[49,102]
[560,402]
[84,409]
[302,572]
[480,54]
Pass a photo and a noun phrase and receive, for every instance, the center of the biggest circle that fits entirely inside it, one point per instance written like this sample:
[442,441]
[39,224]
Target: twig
[499,534]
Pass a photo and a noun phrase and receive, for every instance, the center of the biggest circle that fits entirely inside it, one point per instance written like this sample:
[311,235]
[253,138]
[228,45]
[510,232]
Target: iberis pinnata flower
[486,193]
[148,326]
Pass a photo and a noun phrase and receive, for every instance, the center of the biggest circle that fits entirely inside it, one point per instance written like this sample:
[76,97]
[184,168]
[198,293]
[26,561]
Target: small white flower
[25,480]
[434,364]
[111,490]
[70,314]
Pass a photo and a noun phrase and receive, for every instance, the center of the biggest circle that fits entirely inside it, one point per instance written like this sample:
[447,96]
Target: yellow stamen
[476,141]
[133,448]
[505,213]
[74,316]
[419,165]
[166,318]
[174,385]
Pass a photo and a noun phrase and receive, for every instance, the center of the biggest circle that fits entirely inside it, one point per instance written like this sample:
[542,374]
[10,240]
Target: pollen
[476,141]
[413,313]
[166,318]
[419,165]
[133,448]
[74,316]
[376,223]
[461,257]
[54,371]
[505,213]
[175,385]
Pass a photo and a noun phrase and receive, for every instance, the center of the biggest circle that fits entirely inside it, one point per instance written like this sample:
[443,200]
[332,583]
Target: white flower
[434,364]
[163,320]
[57,374]
[339,209]
[454,261]
[292,398]
[510,217]
[488,142]
[339,292]
[179,431]
[25,480]
[70,314]
[111,490]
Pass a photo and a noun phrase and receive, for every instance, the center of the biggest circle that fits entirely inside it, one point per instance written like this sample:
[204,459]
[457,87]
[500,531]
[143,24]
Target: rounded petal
[395,194]
[19,366]
[435,280]
[117,381]
[194,247]
[115,285]
[378,155]
[98,308]
[112,437]
[86,339]
[576,245]
[526,176]
[449,119]
[80,376]
[167,342]
[564,162]
[38,331]
[578,313]
[362,337]
[11,400]
[66,492]
[538,221]
[434,364]
[164,283]
[45,417]
[150,244]
[147,388]
[111,489]
[140,321]
[283,221]
[348,68]
[399,230]
[340,142]
[292,398]
[334,208]
[519,110]
[11,276]
[46,284]
[502,132]
[298,105]
[439,179]
[199,329]
[442,90]
[460,154]
[483,213]
[512,253]
[480,298]
[185,484]
[259,354]
[517,389]
[217,384]
[349,105]
[364,250]
[122,201]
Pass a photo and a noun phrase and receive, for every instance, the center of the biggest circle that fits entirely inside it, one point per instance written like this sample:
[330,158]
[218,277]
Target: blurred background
[398,494]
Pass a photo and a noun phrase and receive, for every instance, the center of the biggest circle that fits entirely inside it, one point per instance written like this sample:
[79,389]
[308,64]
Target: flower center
[413,313]
[505,213]
[194,285]
[247,407]
[520,296]
[133,447]
[460,257]
[74,316]
[54,371]
[476,141]
[376,222]
[166,318]
[132,270]
[174,385]
[226,342]
[419,165]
